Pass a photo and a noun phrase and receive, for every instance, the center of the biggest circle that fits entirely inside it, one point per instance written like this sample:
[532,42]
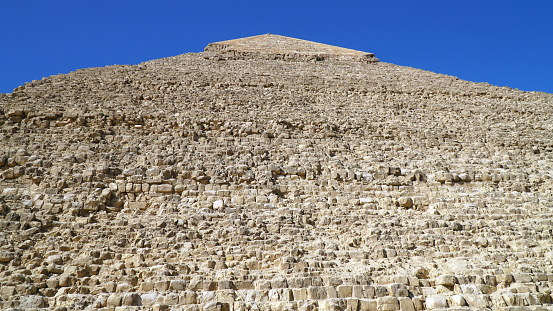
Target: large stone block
[387,304]
[436,302]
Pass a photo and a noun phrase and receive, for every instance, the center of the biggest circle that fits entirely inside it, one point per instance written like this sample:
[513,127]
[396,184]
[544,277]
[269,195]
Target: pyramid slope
[274,45]
[206,182]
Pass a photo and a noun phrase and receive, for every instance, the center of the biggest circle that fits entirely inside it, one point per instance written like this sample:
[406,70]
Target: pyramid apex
[272,46]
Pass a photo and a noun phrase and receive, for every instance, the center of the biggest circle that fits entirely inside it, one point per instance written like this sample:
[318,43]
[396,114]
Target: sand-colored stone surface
[280,47]
[211,182]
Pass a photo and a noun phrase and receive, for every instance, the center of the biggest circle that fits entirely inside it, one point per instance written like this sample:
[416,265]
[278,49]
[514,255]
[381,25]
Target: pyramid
[244,178]
[276,46]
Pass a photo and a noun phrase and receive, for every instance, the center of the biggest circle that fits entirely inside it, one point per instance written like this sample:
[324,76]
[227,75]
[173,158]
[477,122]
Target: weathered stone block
[457,301]
[436,302]
[316,292]
[387,304]
[131,299]
[165,188]
[177,285]
[406,304]
[344,291]
[6,256]
[187,298]
[478,301]
[114,300]
[446,280]
[148,299]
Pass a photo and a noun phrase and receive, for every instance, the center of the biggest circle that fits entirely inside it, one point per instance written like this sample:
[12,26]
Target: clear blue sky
[505,43]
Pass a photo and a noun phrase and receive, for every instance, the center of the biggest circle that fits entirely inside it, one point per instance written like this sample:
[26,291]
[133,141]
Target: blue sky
[505,43]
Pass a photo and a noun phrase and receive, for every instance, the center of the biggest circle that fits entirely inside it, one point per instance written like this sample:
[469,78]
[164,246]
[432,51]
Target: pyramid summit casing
[279,47]
[274,175]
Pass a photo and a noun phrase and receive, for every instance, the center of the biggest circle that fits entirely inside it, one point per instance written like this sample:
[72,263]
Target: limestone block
[165,188]
[334,304]
[170,299]
[123,287]
[187,298]
[274,294]
[545,297]
[273,228]
[149,299]
[331,292]
[241,285]
[131,299]
[413,281]
[224,284]
[406,304]
[66,280]
[457,301]
[470,289]
[387,304]
[316,292]
[300,293]
[226,295]
[32,301]
[380,291]
[497,300]
[177,285]
[358,292]
[522,278]
[531,299]
[212,306]
[209,285]
[52,282]
[406,202]
[146,286]
[153,180]
[352,304]
[443,177]
[138,205]
[7,292]
[478,300]
[136,188]
[91,205]
[398,290]
[162,286]
[8,174]
[178,188]
[114,300]
[108,286]
[512,299]
[436,302]
[344,291]
[18,171]
[6,256]
[419,303]
[446,280]
[367,304]
[218,204]
[279,283]
[368,291]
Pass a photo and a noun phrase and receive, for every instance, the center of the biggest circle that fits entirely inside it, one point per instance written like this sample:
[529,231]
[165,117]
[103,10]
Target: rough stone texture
[214,182]
[286,48]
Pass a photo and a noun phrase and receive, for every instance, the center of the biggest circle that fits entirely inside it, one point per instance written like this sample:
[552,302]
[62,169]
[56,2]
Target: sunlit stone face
[270,44]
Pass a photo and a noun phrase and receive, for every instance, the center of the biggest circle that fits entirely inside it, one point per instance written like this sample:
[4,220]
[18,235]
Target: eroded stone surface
[280,47]
[207,182]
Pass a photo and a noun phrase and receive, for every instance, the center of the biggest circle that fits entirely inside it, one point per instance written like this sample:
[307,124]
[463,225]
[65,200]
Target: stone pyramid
[275,46]
[271,173]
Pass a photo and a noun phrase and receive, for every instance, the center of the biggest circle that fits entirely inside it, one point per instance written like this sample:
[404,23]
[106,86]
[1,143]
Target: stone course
[248,182]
